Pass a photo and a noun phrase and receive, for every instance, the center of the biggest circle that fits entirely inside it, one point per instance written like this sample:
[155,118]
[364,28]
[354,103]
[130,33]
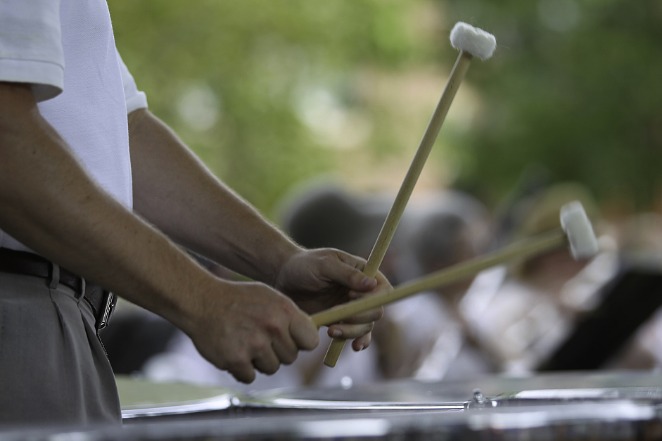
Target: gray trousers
[53,368]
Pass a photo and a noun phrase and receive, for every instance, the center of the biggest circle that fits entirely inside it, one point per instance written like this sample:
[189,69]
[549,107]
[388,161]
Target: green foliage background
[574,86]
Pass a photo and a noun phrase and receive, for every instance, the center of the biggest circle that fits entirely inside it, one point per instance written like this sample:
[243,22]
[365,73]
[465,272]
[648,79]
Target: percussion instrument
[503,390]
[554,406]
[565,406]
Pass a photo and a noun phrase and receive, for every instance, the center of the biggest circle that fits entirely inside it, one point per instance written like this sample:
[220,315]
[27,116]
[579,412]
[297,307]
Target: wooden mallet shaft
[395,213]
[517,251]
[576,231]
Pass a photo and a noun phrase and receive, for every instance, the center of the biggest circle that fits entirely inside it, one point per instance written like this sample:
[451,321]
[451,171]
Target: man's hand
[322,278]
[249,327]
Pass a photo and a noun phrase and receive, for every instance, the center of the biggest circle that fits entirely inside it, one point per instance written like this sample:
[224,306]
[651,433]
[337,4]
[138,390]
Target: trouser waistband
[101,300]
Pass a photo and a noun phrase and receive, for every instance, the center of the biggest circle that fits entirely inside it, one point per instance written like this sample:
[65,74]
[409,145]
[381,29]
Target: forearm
[197,210]
[50,204]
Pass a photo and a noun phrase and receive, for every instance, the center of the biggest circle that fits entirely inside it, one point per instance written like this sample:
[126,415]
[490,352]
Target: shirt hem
[46,78]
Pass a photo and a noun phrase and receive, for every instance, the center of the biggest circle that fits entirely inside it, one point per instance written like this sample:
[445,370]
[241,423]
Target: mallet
[575,230]
[471,42]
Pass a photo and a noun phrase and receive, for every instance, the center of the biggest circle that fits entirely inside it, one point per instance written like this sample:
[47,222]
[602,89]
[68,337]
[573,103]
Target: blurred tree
[574,86]
[270,94]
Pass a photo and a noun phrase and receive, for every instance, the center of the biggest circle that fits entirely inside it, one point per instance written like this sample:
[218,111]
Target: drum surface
[507,394]
[141,398]
[570,407]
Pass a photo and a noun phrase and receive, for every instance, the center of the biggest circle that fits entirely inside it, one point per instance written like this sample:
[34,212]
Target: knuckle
[327,257]
[274,331]
[259,346]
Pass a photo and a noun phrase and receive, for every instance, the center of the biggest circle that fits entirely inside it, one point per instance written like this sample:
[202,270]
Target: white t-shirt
[66,50]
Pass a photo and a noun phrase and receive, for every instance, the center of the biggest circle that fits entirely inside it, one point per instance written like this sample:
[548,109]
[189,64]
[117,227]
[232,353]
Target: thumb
[350,274]
[304,332]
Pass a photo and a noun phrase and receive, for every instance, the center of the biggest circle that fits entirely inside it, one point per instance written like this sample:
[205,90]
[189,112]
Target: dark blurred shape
[623,327]
[520,311]
[445,228]
[327,215]
[629,301]
[532,180]
[133,337]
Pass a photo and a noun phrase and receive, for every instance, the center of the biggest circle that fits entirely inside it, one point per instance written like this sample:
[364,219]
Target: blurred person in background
[418,337]
[519,312]
[445,228]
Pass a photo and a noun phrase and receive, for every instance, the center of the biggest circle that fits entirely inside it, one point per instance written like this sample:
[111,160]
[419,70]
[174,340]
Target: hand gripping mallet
[471,42]
[575,230]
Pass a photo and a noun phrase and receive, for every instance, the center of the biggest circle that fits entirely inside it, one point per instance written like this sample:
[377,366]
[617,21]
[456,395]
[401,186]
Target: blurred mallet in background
[575,230]
[471,42]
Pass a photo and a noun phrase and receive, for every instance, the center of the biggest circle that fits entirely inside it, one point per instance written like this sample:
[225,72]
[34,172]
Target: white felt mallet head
[578,229]
[472,40]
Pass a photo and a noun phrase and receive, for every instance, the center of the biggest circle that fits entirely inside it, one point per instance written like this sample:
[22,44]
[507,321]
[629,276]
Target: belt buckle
[108,306]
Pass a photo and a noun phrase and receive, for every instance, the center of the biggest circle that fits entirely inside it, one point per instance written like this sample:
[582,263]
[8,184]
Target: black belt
[29,264]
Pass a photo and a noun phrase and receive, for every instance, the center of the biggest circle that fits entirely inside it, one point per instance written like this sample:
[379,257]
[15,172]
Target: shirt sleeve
[135,99]
[31,45]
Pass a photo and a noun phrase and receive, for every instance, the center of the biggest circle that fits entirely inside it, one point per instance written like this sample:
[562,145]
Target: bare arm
[192,206]
[197,210]
[50,204]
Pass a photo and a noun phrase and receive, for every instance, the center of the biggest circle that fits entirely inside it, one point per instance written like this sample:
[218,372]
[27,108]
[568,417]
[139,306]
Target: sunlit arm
[198,211]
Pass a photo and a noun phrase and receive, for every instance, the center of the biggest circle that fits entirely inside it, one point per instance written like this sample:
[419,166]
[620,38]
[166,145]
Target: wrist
[280,259]
[192,299]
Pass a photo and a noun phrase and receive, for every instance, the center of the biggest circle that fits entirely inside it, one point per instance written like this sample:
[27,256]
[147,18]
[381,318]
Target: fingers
[358,327]
[358,282]
[302,335]
[362,334]
[267,329]
[257,333]
[347,331]
[304,332]
[243,372]
[286,350]
[269,356]
[267,362]
[380,284]
[284,344]
[362,342]
[342,268]
[352,273]
[365,317]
